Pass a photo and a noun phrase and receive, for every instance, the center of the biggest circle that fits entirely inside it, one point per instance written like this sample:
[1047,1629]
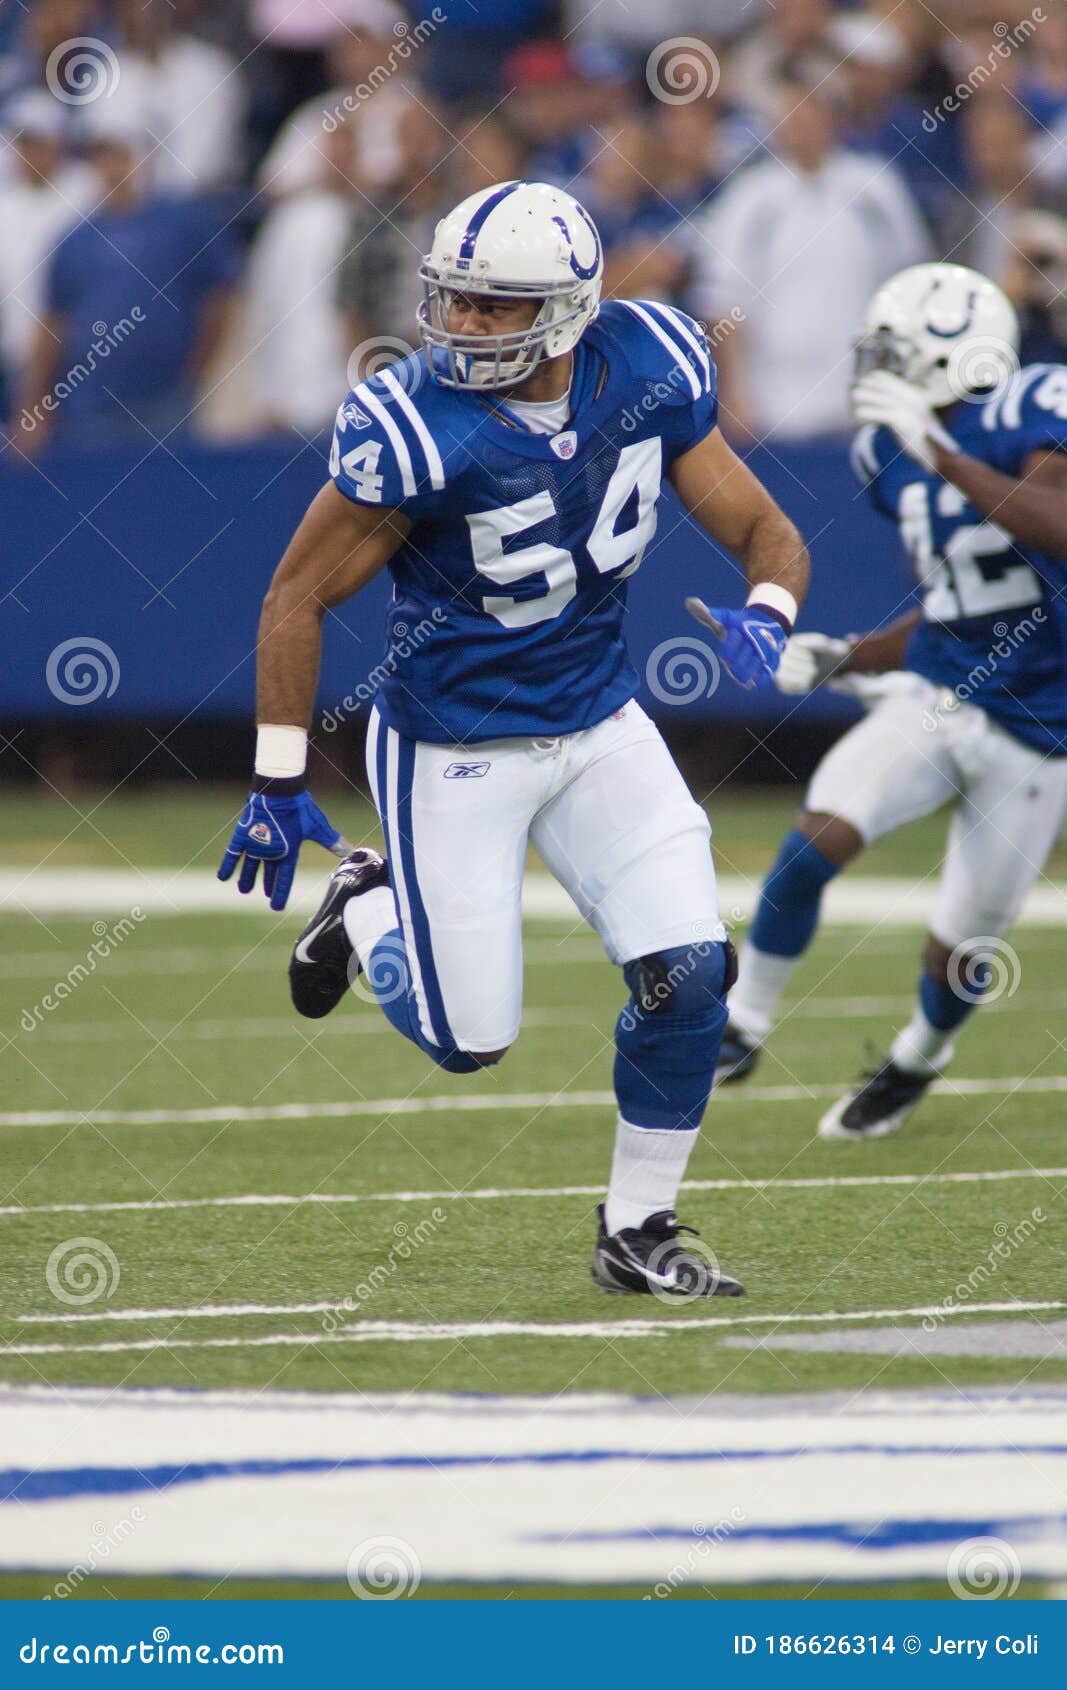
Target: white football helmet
[944,329]
[517,240]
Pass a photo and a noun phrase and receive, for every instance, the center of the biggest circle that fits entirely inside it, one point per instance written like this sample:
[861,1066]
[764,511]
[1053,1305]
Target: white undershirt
[542,416]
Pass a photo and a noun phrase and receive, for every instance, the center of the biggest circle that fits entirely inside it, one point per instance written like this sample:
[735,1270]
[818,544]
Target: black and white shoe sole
[323,964]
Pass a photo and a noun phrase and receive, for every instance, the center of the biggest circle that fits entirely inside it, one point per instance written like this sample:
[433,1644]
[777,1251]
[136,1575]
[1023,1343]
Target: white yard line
[280,1200]
[851,901]
[235,1028]
[476,1102]
[404,1331]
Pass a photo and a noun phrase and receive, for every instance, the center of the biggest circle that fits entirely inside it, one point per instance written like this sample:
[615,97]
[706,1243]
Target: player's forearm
[877,653]
[289,653]
[774,554]
[1033,511]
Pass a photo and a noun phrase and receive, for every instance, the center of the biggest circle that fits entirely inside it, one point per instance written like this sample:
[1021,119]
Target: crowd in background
[211,210]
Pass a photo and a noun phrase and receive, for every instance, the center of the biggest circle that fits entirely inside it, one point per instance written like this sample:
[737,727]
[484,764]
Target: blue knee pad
[667,1038]
[389,979]
[788,910]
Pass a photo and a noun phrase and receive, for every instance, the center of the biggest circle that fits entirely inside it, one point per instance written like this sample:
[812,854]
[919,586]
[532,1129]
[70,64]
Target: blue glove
[271,831]
[751,641]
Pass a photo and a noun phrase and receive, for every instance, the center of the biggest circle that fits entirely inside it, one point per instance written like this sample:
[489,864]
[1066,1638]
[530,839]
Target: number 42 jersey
[509,591]
[994,627]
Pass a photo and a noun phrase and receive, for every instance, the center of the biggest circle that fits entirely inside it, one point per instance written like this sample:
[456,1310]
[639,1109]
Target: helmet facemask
[488,361]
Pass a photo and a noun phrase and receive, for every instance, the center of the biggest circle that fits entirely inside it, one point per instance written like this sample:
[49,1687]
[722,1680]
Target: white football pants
[605,809]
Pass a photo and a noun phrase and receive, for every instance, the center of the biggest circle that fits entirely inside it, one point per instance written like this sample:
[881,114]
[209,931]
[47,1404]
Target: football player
[978,489]
[509,476]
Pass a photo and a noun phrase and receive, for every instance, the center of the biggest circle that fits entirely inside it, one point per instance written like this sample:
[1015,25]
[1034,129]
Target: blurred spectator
[368,94]
[192,96]
[795,40]
[1042,87]
[881,115]
[633,217]
[473,42]
[1036,283]
[547,108]
[799,243]
[135,302]
[35,33]
[1001,184]
[47,193]
[378,286]
[689,154]
[297,352]
[640,28]
[487,150]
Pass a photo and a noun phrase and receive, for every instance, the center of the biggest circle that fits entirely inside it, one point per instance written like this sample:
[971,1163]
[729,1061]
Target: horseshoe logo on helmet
[584,272]
[961,328]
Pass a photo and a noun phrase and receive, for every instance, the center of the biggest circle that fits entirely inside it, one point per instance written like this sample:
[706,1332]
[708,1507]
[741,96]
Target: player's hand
[750,641]
[890,402]
[271,831]
[809,661]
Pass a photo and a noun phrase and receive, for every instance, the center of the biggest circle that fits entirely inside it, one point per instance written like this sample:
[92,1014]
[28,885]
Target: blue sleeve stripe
[681,360]
[425,438]
[396,439]
[677,322]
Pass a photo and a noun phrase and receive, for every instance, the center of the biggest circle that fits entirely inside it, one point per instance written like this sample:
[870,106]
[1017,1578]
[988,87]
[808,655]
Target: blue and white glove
[751,641]
[272,828]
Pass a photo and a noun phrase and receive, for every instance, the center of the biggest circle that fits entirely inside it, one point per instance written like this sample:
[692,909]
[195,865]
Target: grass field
[189,1018]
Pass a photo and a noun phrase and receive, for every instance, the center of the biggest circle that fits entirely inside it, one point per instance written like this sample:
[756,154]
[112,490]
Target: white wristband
[773,597]
[281,752]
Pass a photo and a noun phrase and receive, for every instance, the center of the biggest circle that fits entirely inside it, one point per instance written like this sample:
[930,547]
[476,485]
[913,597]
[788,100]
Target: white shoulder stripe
[396,439]
[864,461]
[676,321]
[426,439]
[685,364]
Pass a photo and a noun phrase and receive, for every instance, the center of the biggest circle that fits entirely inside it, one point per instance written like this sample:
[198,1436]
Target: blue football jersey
[521,544]
[994,625]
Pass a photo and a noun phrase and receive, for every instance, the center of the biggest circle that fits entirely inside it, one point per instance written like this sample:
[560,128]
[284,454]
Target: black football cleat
[650,1260]
[323,963]
[878,1106]
[737,1056]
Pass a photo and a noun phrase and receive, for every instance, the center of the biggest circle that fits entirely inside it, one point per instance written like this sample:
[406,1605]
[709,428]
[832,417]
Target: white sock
[367,918]
[761,980]
[646,1171]
[921,1048]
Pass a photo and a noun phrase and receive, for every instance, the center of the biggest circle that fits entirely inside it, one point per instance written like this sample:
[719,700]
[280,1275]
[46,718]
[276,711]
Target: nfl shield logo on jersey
[564,445]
